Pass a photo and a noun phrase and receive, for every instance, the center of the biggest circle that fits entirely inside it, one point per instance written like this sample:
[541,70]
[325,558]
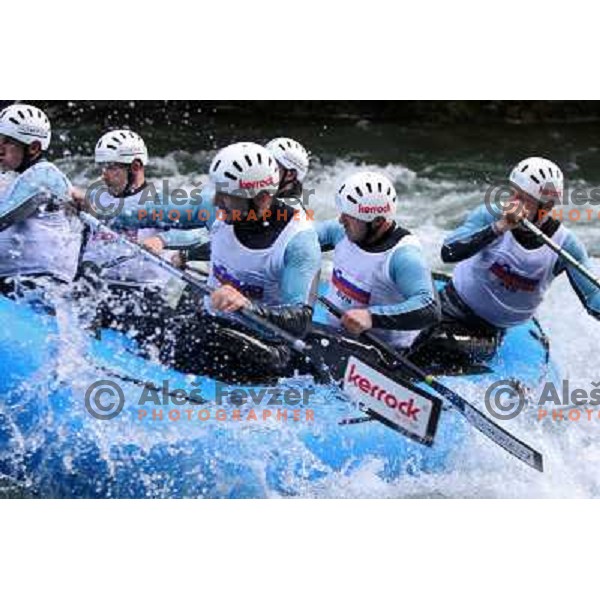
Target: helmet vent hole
[21,114]
[13,120]
[542,174]
[358,191]
[351,199]
[230,176]
[236,164]
[379,187]
[248,160]
[535,179]
[525,167]
[369,187]
[389,191]
[216,165]
[259,158]
[30,112]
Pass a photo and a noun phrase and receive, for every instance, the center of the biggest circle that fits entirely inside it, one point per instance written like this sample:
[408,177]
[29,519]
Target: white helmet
[26,124]
[366,196]
[121,146]
[244,169]
[291,155]
[540,178]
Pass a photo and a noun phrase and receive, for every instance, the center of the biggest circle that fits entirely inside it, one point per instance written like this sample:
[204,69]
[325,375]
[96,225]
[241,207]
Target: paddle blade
[394,402]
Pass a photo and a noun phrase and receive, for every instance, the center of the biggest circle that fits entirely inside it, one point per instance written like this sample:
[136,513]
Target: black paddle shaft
[473,415]
[250,317]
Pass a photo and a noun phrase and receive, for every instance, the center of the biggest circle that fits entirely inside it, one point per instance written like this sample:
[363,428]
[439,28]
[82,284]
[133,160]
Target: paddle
[475,417]
[416,418]
[562,253]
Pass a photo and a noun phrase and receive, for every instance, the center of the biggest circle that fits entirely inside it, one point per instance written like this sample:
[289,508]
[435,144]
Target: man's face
[12,153]
[232,206]
[531,205]
[115,177]
[356,230]
[286,175]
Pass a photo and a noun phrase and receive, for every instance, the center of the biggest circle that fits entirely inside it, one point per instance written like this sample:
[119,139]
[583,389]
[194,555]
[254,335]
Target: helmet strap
[546,207]
[376,230]
[130,187]
[28,161]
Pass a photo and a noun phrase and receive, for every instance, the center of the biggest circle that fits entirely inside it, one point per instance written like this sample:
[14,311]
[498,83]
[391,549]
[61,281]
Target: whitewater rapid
[431,207]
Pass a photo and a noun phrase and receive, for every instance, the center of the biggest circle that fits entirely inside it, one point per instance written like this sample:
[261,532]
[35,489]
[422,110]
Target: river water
[440,173]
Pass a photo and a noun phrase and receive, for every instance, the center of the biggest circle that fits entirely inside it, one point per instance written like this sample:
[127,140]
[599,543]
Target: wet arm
[410,273]
[472,236]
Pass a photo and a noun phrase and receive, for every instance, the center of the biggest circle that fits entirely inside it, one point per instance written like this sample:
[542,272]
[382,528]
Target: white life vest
[361,279]
[255,273]
[47,242]
[505,283]
[7,178]
[103,248]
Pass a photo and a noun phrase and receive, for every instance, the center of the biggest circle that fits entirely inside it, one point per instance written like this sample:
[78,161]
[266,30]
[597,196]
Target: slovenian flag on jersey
[349,289]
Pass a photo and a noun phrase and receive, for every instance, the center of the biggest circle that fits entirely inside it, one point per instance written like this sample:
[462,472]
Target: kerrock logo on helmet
[27,129]
[377,210]
[253,185]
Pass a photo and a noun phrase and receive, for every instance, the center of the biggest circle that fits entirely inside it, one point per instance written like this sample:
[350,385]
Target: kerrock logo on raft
[363,383]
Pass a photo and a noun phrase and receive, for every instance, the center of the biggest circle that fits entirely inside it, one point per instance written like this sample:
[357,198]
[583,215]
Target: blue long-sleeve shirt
[412,277]
[180,220]
[478,231]
[301,261]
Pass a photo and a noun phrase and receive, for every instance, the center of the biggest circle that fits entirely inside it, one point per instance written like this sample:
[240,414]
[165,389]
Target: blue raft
[52,446]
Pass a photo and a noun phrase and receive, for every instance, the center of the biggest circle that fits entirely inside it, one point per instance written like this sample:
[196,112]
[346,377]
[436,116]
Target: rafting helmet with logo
[121,146]
[366,196]
[26,124]
[244,170]
[539,178]
[290,155]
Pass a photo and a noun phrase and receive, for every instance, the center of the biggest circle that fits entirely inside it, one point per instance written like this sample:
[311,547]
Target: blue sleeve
[301,264]
[588,293]
[41,184]
[330,233]
[471,237]
[192,213]
[411,274]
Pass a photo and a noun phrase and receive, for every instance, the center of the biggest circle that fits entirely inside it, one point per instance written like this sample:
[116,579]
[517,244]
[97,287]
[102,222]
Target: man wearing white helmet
[123,156]
[293,161]
[380,277]
[503,269]
[133,294]
[265,257]
[39,239]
